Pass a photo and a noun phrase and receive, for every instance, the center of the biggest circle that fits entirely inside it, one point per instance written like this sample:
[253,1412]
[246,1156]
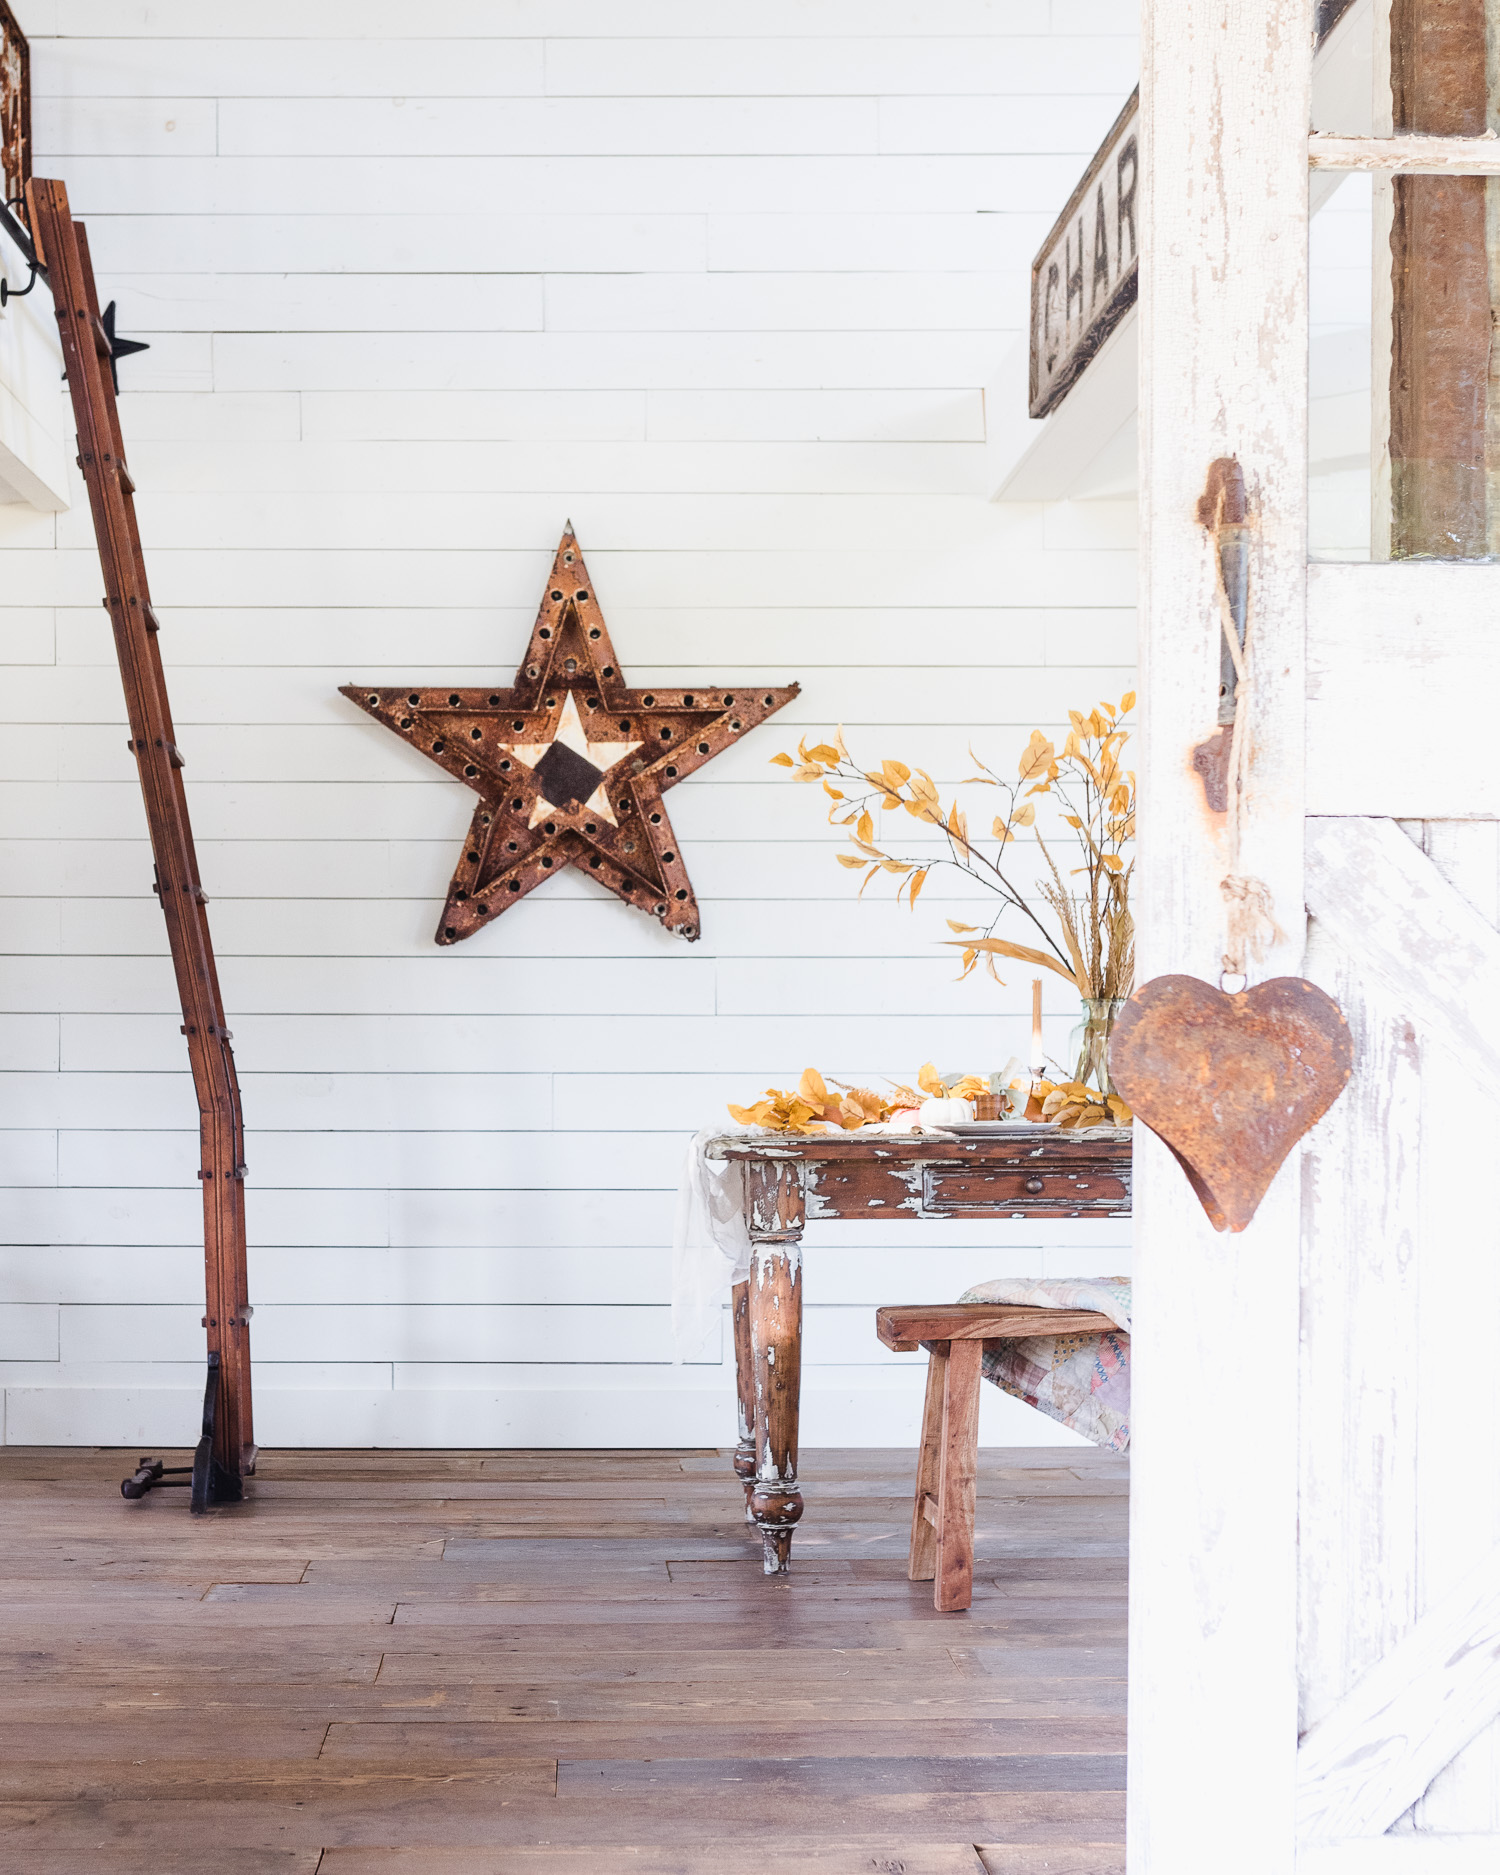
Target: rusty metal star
[570,765]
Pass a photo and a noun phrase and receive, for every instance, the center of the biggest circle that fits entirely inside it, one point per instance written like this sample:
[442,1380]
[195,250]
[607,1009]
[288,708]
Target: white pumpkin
[948,1112]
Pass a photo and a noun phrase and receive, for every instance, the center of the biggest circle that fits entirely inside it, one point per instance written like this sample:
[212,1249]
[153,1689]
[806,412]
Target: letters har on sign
[1084,278]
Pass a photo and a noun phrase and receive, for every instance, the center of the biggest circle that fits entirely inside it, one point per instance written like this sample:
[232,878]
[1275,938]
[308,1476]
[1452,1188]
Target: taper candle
[1037,1057]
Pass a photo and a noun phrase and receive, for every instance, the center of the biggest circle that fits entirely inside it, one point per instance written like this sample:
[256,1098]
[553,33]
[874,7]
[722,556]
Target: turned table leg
[744,1374]
[774,1194]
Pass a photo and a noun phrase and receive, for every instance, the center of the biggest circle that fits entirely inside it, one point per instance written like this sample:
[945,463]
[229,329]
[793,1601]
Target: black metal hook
[18,233]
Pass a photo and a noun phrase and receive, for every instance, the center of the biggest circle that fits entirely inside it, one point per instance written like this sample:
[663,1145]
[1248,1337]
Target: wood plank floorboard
[535,1663]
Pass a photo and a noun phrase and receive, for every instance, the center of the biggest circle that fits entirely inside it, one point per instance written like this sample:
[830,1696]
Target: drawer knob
[1033,1184]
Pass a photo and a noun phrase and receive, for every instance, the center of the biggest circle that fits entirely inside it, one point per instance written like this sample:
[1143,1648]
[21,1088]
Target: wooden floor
[471,1663]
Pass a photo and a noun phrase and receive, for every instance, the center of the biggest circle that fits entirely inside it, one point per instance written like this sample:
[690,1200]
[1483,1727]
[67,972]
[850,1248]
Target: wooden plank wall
[727,289]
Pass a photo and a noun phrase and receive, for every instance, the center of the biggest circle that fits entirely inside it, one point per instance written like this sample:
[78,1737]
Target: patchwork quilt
[1083,1381]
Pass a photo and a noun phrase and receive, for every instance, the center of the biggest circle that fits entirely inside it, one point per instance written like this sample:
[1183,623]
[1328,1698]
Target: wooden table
[1004,1171]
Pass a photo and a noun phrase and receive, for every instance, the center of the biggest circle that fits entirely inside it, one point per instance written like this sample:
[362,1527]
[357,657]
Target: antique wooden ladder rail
[62,246]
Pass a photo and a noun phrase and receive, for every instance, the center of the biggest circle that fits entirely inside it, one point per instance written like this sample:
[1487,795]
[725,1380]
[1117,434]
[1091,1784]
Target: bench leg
[921,1558]
[953,1587]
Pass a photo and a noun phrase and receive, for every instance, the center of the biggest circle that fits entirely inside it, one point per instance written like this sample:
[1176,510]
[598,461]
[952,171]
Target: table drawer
[1037,1190]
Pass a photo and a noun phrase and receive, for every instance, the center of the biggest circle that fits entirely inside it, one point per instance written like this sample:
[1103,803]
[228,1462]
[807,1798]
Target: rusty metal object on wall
[15,105]
[569,764]
[1230,1083]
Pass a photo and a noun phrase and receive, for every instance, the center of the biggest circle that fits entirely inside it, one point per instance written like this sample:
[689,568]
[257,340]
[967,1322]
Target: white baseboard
[513,1416]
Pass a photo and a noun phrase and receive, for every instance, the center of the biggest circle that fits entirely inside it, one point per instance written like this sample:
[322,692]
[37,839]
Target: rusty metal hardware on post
[1223,513]
[63,249]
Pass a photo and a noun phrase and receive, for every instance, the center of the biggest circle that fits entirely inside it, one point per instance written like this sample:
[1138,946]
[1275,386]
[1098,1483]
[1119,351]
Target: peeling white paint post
[1213,1697]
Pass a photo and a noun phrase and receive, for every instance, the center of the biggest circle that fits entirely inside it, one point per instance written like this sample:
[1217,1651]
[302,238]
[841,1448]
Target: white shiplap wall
[725,286]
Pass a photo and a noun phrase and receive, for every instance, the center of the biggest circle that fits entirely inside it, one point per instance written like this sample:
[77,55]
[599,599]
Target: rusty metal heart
[1230,1083]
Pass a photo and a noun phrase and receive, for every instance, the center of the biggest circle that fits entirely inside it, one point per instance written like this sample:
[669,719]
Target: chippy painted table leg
[744,1374]
[774,1196]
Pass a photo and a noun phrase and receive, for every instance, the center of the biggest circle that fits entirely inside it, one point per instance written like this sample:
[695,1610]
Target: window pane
[1340,418]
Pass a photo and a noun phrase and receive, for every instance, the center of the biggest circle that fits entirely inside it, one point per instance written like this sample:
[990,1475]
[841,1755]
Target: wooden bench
[942,1517]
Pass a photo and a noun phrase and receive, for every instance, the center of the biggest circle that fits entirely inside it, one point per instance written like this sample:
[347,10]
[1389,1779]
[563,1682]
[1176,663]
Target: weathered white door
[1315,1595]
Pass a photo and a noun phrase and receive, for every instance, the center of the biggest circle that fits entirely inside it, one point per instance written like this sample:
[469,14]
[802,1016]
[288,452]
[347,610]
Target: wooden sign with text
[1084,278]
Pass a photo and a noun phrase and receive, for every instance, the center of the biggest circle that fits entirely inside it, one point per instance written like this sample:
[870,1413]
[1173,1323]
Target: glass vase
[1090,1041]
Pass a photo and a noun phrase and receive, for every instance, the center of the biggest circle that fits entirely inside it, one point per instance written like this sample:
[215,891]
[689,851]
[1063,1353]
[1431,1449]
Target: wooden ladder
[227,1451]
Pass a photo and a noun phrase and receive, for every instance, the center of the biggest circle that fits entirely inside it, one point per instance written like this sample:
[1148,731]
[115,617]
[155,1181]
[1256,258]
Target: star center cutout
[570,764]
[570,768]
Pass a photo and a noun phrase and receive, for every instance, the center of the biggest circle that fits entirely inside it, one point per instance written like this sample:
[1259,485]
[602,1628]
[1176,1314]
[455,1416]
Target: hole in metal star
[595,632]
[680,895]
[547,863]
[473,858]
[564,775]
[515,885]
[453,698]
[595,864]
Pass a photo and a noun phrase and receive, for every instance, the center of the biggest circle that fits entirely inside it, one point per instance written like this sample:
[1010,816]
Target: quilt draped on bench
[1083,1381]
